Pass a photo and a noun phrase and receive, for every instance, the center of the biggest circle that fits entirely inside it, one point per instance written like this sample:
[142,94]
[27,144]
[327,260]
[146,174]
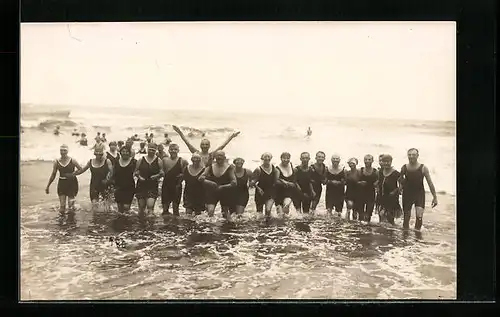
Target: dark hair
[112,143]
[321,153]
[412,149]
[285,154]
[303,153]
[128,148]
[120,142]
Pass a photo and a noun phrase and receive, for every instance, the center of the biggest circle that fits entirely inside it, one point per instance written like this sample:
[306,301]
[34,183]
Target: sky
[363,69]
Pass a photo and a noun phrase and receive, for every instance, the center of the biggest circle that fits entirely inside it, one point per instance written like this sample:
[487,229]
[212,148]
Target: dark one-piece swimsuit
[97,187]
[147,188]
[317,180]
[67,186]
[241,195]
[304,180]
[266,183]
[335,193]
[124,182]
[194,192]
[283,192]
[171,189]
[223,196]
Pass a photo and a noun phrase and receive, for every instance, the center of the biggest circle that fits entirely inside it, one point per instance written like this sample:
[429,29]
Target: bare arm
[229,139]
[427,176]
[82,170]
[249,173]
[255,178]
[186,141]
[232,178]
[110,170]
[401,179]
[52,175]
[298,186]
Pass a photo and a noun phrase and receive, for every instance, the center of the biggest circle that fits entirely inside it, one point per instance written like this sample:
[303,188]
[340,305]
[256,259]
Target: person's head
[320,156]
[152,148]
[165,135]
[305,157]
[98,133]
[335,160]
[380,159]
[129,143]
[412,155]
[99,151]
[160,148]
[142,145]
[104,134]
[238,162]
[205,145]
[58,127]
[63,149]
[125,152]
[120,144]
[135,135]
[196,158]
[368,159]
[266,158]
[220,157]
[353,162]
[386,161]
[151,135]
[113,146]
[285,158]
[173,149]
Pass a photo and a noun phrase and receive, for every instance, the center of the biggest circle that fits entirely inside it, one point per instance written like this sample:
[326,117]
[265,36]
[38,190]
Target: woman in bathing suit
[318,171]
[367,184]
[101,171]
[264,178]
[388,191]
[171,189]
[220,180]
[286,186]
[67,185]
[124,180]
[194,190]
[335,187]
[306,191]
[149,170]
[352,198]
[241,195]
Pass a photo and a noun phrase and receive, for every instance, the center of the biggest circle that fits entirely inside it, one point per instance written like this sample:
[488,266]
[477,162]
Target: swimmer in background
[220,180]
[67,185]
[171,189]
[75,132]
[97,144]
[103,138]
[57,130]
[306,192]
[120,145]
[206,156]
[309,131]
[335,187]
[135,137]
[166,140]
[161,152]
[243,178]
[83,140]
[149,170]
[194,189]
[142,149]
[264,179]
[286,186]
[412,187]
[318,172]
[98,138]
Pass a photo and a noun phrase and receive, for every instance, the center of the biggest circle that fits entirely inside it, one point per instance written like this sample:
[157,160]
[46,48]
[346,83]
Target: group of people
[209,179]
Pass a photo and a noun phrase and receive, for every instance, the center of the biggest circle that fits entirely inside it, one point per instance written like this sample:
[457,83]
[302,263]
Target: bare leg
[71,204]
[175,209]
[286,205]
[165,206]
[269,206]
[62,204]
[406,218]
[189,211]
[349,206]
[141,202]
[210,210]
[225,212]
[240,210]
[419,214]
[150,205]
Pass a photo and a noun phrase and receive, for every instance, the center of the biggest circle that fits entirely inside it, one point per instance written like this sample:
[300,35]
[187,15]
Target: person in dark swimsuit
[206,156]
[240,192]
[388,191]
[130,144]
[161,152]
[101,171]
[171,189]
[149,170]
[286,186]
[113,154]
[335,186]
[167,140]
[412,185]
[264,179]
[219,179]
[380,163]
[352,198]
[142,149]
[75,133]
[120,145]
[67,185]
[306,191]
[367,184]
[124,180]
[194,190]
[318,172]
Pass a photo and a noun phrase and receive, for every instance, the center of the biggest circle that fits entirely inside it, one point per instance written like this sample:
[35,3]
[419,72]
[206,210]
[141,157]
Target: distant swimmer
[243,178]
[67,185]
[306,194]
[149,138]
[83,140]
[388,191]
[264,179]
[367,184]
[75,133]
[149,170]
[135,137]
[194,189]
[98,138]
[171,189]
[161,152]
[352,177]
[412,185]
[206,156]
[220,180]
[142,148]
[113,154]
[57,130]
[101,171]
[286,186]
[309,131]
[124,180]
[98,143]
[318,171]
[166,140]
[335,183]
[120,145]
[103,138]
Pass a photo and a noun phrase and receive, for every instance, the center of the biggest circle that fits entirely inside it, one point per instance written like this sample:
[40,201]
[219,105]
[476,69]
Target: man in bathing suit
[412,187]
[204,145]
[171,190]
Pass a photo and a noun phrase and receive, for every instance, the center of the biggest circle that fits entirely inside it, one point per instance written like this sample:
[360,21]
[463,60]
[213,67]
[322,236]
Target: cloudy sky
[404,70]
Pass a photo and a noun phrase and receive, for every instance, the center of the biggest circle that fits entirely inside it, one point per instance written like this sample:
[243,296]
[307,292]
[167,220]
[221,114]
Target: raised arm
[427,176]
[186,141]
[229,139]
[82,170]
[52,176]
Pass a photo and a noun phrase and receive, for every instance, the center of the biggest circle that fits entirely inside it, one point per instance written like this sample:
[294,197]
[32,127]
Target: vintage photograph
[238,160]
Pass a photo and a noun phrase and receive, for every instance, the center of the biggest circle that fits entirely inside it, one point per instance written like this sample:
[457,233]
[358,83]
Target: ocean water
[301,256]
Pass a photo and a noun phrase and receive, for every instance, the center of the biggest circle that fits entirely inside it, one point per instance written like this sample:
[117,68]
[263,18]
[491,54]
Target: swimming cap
[152,145]
[64,147]
[220,153]
[353,160]
[264,154]
[335,156]
[238,158]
